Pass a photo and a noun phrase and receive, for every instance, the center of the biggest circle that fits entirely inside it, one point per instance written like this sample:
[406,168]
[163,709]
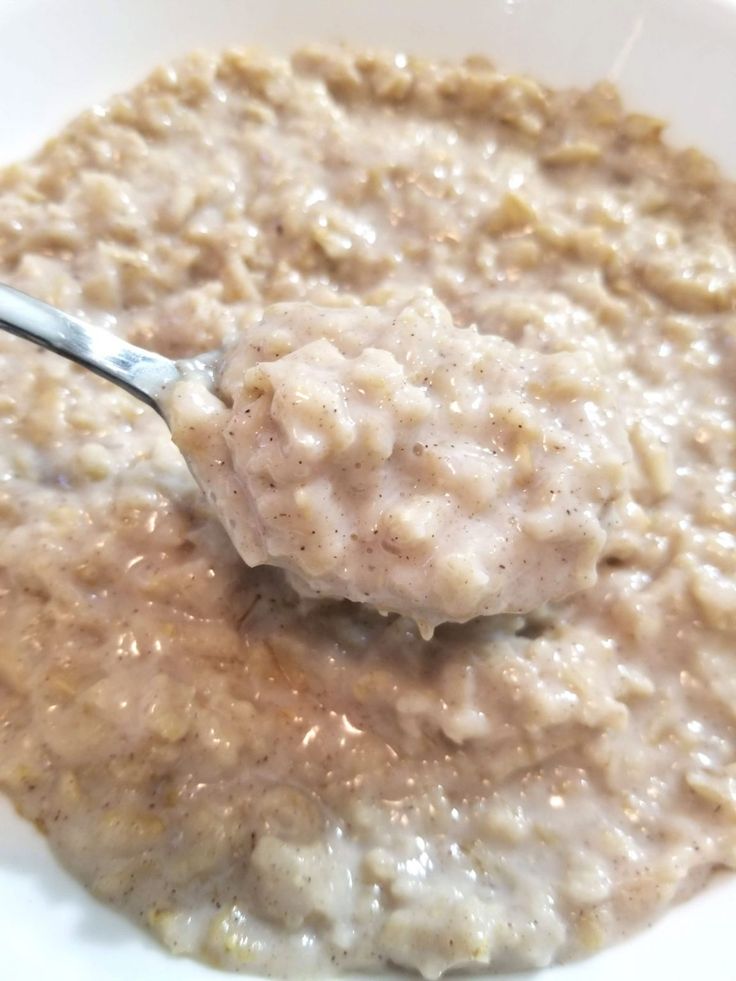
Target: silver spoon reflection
[141,373]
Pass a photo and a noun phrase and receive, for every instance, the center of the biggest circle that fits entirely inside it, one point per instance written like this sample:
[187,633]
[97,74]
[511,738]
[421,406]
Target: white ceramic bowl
[675,58]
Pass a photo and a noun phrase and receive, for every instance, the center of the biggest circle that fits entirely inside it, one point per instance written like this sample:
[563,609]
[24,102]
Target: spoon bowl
[331,444]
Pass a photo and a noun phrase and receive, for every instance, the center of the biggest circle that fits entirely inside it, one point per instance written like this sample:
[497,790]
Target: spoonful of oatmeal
[383,454]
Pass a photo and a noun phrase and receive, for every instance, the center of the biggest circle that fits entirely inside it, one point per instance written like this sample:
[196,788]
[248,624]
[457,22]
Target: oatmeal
[385,456]
[291,786]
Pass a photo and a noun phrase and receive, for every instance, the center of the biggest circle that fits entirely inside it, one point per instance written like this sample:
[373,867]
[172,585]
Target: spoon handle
[139,372]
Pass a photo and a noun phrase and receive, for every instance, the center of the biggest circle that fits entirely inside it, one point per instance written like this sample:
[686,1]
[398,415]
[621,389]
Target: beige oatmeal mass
[288,786]
[386,456]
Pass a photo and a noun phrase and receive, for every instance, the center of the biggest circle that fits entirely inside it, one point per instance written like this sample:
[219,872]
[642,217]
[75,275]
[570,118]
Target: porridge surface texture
[385,456]
[288,786]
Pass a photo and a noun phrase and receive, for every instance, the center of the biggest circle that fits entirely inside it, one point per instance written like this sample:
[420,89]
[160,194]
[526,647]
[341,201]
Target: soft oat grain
[288,787]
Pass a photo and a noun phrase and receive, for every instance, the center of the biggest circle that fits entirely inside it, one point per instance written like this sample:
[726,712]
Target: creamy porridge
[385,456]
[285,785]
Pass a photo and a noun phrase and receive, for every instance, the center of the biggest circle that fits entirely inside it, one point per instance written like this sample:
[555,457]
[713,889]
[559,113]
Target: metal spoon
[139,372]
